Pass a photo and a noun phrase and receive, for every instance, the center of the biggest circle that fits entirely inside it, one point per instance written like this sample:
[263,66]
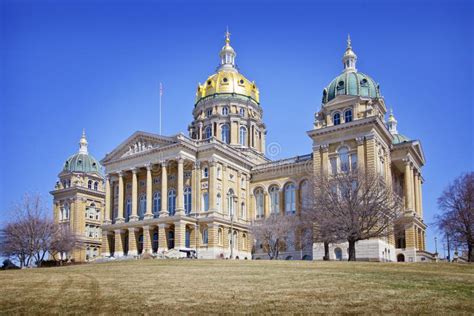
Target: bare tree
[63,241]
[28,237]
[457,217]
[353,206]
[273,233]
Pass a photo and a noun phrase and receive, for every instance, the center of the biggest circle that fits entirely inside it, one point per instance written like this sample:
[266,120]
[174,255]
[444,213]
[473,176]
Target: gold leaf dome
[227,80]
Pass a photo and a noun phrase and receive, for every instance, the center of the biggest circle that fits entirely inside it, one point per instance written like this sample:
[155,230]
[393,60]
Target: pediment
[138,143]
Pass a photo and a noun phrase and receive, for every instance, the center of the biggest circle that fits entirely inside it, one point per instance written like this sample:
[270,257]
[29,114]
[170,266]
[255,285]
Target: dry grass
[166,286]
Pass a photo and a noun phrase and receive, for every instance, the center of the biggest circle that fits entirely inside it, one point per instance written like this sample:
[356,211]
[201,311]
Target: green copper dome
[399,138]
[82,161]
[351,83]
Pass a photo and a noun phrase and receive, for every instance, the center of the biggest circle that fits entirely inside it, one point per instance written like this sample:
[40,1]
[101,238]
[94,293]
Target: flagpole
[161,93]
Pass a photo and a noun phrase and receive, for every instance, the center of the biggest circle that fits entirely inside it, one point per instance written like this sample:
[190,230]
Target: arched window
[128,209]
[89,184]
[225,111]
[96,185]
[207,132]
[205,236]
[187,240]
[290,199]
[336,118]
[156,203]
[242,112]
[243,135]
[234,240]
[243,213]
[274,200]
[209,112]
[65,211]
[348,116]
[305,193]
[343,154]
[171,202]
[259,203]
[244,241]
[205,201]
[219,202]
[187,200]
[340,88]
[230,202]
[142,206]
[225,133]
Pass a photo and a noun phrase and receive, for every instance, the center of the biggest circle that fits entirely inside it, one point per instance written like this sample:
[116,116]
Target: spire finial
[350,58]
[392,123]
[349,41]
[227,36]
[83,143]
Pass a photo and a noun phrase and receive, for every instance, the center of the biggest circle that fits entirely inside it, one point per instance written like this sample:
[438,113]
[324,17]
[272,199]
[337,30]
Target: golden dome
[228,82]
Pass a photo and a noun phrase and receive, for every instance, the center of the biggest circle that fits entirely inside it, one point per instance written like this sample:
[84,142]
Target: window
[353,162]
[242,112]
[187,241]
[65,212]
[259,203]
[142,208]
[207,132]
[343,159]
[171,202]
[230,202]
[290,199]
[305,193]
[336,119]
[205,201]
[219,173]
[348,116]
[156,203]
[187,200]
[209,112]
[205,236]
[225,111]
[340,88]
[225,133]
[333,162]
[96,185]
[242,211]
[89,184]
[243,135]
[274,200]
[128,208]
[205,172]
[219,202]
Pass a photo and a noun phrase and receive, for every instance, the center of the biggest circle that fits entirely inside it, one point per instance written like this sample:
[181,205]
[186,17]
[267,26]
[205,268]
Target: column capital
[134,170]
[164,163]
[324,147]
[197,165]
[120,173]
[133,229]
[119,231]
[107,177]
[149,166]
[212,162]
[360,140]
[163,225]
[180,159]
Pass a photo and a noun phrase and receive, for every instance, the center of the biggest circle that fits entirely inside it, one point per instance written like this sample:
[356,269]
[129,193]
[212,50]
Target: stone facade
[199,194]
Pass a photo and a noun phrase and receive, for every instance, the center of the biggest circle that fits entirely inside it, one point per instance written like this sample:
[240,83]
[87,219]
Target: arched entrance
[338,253]
[400,257]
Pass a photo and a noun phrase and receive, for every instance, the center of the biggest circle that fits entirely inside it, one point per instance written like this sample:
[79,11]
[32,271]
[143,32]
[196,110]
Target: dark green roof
[399,138]
[81,162]
[351,83]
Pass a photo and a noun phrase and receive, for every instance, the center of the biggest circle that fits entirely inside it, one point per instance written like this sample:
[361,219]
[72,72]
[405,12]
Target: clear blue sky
[98,64]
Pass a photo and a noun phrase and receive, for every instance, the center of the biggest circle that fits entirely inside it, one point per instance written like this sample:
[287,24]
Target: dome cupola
[351,82]
[82,161]
[227,80]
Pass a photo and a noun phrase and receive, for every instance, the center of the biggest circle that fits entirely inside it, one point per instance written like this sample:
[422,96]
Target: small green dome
[399,138]
[351,83]
[82,163]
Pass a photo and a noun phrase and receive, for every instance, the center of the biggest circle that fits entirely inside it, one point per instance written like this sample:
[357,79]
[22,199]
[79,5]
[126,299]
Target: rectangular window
[353,161]
[333,162]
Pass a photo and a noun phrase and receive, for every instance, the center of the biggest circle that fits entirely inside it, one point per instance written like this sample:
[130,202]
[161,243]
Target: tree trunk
[326,251]
[470,255]
[352,250]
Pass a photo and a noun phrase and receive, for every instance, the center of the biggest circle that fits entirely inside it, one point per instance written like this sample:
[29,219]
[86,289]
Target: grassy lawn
[166,286]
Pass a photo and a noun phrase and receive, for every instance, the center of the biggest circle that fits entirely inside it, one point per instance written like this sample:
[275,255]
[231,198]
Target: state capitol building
[155,194]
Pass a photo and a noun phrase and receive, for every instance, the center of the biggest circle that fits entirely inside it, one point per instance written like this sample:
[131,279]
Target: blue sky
[97,65]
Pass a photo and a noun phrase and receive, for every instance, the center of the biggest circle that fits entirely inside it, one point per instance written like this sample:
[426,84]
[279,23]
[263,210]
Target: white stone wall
[215,253]
[370,250]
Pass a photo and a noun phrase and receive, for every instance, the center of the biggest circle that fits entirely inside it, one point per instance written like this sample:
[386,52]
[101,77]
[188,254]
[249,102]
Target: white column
[120,216]
[107,200]
[149,193]
[180,190]
[164,189]
[134,215]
